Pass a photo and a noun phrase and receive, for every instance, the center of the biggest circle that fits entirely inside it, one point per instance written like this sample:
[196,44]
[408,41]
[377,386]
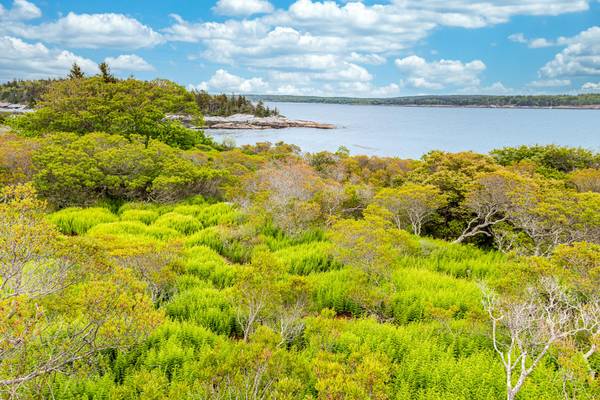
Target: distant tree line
[223,105]
[24,91]
[451,100]
[31,91]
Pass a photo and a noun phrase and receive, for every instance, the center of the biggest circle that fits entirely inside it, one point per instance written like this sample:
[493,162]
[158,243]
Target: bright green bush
[421,295]
[336,290]
[219,214]
[77,221]
[185,224]
[207,264]
[145,216]
[304,259]
[207,307]
[134,228]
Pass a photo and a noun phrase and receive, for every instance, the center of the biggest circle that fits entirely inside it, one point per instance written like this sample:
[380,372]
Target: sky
[369,48]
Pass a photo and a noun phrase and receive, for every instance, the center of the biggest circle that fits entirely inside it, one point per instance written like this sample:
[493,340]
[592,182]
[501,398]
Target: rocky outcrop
[9,108]
[247,121]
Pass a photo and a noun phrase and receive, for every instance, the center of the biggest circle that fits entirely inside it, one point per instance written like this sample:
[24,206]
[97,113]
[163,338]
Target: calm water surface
[410,132]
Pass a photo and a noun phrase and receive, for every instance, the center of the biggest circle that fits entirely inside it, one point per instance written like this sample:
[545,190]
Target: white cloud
[19,59]
[373,59]
[536,43]
[92,31]
[223,81]
[21,10]
[338,41]
[242,7]
[437,75]
[591,87]
[581,57]
[549,83]
[128,62]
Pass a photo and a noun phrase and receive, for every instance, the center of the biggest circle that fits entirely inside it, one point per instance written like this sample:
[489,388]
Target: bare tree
[290,323]
[411,205]
[490,200]
[523,331]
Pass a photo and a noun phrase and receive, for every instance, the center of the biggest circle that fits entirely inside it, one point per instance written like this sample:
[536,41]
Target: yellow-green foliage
[134,228]
[210,237]
[307,258]
[185,224]
[423,295]
[207,264]
[207,307]
[220,214]
[460,261]
[145,216]
[77,221]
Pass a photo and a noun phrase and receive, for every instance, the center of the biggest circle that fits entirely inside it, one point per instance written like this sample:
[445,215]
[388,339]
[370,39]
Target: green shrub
[134,228]
[207,264]
[219,214]
[421,295]
[336,290]
[207,307]
[187,281]
[217,239]
[77,221]
[145,216]
[307,258]
[185,224]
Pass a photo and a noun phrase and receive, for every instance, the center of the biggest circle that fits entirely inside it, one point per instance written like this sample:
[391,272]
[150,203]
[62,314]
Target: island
[249,121]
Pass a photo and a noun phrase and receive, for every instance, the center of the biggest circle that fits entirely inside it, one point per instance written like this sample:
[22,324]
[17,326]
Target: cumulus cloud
[128,63]
[581,57]
[242,7]
[437,75]
[21,10]
[591,87]
[293,83]
[19,59]
[534,43]
[223,81]
[549,83]
[92,31]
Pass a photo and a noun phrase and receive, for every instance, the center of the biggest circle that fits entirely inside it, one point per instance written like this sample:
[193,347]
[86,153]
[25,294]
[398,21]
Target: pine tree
[76,72]
[105,73]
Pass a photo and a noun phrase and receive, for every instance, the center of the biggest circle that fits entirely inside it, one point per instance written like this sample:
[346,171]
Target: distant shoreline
[588,107]
[561,102]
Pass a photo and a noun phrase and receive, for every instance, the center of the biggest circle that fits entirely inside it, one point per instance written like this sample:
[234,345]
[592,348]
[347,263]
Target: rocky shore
[247,121]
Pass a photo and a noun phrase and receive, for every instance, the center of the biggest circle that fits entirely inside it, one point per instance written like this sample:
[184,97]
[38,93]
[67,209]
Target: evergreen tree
[76,72]
[105,73]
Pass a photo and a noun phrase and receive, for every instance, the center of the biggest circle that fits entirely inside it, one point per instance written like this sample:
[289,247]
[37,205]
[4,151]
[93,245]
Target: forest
[29,92]
[143,260]
[580,100]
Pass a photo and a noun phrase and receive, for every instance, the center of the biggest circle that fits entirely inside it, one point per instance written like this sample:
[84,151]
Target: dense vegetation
[23,91]
[132,266]
[224,106]
[34,92]
[581,100]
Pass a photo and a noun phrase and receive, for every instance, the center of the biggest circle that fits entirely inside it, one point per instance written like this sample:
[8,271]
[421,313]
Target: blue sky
[370,48]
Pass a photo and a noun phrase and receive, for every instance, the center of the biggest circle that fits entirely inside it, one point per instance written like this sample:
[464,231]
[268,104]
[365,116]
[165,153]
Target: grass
[77,221]
[185,224]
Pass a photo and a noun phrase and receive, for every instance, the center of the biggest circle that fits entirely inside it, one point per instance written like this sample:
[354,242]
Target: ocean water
[410,132]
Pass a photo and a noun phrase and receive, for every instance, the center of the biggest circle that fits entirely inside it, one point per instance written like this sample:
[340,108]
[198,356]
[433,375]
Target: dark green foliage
[452,100]
[123,107]
[223,105]
[24,92]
